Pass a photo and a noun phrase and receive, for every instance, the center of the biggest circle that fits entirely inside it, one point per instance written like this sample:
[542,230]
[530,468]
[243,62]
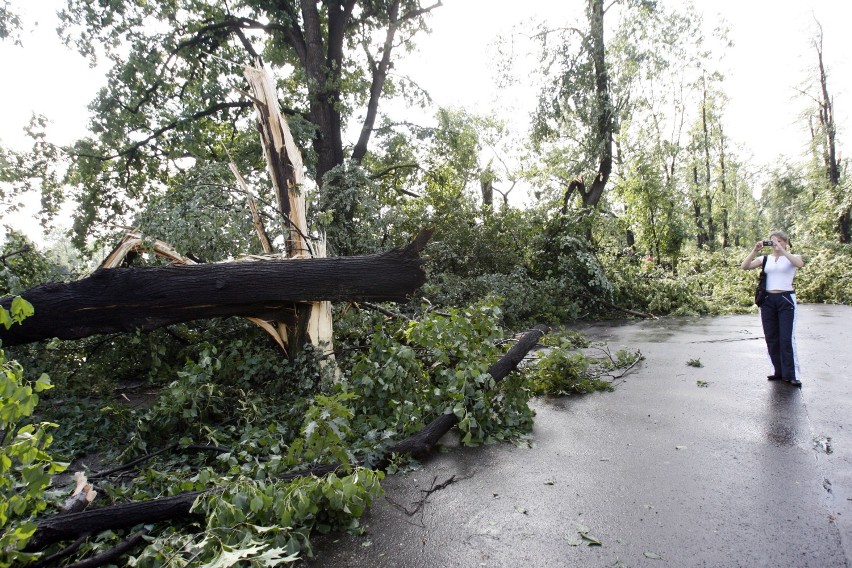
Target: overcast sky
[772,55]
[455,64]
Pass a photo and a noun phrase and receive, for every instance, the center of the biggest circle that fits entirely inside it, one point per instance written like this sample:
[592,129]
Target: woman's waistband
[781,291]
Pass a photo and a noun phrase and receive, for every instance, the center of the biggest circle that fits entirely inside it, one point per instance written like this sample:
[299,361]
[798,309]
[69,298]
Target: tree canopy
[175,106]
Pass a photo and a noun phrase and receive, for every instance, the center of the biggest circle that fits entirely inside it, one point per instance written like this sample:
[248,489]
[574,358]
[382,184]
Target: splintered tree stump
[126,299]
[94,520]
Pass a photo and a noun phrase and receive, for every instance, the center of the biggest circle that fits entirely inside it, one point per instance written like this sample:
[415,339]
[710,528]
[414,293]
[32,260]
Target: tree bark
[829,148]
[605,116]
[93,521]
[126,299]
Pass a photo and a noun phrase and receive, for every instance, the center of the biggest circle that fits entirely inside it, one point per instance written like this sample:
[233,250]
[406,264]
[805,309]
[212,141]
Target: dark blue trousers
[778,315]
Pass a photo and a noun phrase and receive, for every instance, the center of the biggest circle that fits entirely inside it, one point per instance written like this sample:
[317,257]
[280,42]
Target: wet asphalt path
[680,466]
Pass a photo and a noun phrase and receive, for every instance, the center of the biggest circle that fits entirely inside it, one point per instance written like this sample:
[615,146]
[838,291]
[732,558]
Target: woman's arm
[794,259]
[750,261]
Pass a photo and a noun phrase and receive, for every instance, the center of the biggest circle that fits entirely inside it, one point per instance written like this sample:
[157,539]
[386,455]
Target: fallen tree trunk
[113,517]
[126,299]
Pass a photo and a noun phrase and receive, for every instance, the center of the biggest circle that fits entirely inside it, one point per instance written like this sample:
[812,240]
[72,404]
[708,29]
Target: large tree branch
[421,444]
[380,74]
[228,25]
[292,32]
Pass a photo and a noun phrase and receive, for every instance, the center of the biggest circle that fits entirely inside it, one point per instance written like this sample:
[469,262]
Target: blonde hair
[781,235]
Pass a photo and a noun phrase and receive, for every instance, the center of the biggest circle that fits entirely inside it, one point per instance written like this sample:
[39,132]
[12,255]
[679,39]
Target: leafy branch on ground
[570,364]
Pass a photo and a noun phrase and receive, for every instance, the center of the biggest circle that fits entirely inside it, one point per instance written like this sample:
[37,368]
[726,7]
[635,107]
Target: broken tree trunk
[113,517]
[311,322]
[126,299]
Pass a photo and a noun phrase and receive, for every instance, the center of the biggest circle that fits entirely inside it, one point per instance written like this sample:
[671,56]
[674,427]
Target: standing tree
[785,197]
[665,48]
[824,143]
[701,193]
[172,102]
[664,65]
[575,121]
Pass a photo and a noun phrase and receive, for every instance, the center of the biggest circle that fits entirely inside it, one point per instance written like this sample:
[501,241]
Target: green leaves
[326,432]
[20,309]
[25,465]
[457,349]
[570,366]
[270,521]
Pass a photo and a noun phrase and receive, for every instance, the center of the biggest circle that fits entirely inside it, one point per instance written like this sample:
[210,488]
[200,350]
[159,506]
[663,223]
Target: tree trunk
[832,163]
[312,322]
[701,235]
[723,187]
[126,299]
[113,517]
[322,64]
[605,118]
[708,196]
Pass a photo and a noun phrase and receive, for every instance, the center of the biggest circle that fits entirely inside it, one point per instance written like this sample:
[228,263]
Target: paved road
[663,471]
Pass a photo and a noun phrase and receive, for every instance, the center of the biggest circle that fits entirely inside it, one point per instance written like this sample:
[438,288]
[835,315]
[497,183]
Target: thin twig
[110,555]
[385,311]
[418,505]
[53,559]
[606,352]
[727,340]
[27,248]
[99,475]
[123,467]
[639,357]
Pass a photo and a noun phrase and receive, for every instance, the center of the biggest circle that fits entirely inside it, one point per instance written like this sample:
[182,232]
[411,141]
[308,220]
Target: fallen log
[126,299]
[122,516]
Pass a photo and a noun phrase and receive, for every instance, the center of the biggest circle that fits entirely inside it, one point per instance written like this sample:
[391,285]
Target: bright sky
[771,57]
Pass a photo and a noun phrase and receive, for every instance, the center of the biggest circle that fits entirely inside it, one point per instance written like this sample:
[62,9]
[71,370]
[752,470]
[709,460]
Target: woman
[778,312]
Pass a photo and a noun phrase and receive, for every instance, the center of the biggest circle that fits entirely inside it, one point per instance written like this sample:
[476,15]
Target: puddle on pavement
[661,330]
[786,425]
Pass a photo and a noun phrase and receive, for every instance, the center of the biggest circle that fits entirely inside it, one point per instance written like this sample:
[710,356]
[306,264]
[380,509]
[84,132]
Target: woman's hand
[750,262]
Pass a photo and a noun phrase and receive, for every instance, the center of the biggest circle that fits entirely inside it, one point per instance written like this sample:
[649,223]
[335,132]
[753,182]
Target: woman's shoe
[796,383]
[773,378]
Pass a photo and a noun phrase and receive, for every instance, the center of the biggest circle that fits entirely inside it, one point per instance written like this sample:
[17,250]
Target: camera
[767,243]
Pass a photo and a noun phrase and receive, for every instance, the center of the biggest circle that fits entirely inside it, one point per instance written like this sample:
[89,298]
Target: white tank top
[779,273]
